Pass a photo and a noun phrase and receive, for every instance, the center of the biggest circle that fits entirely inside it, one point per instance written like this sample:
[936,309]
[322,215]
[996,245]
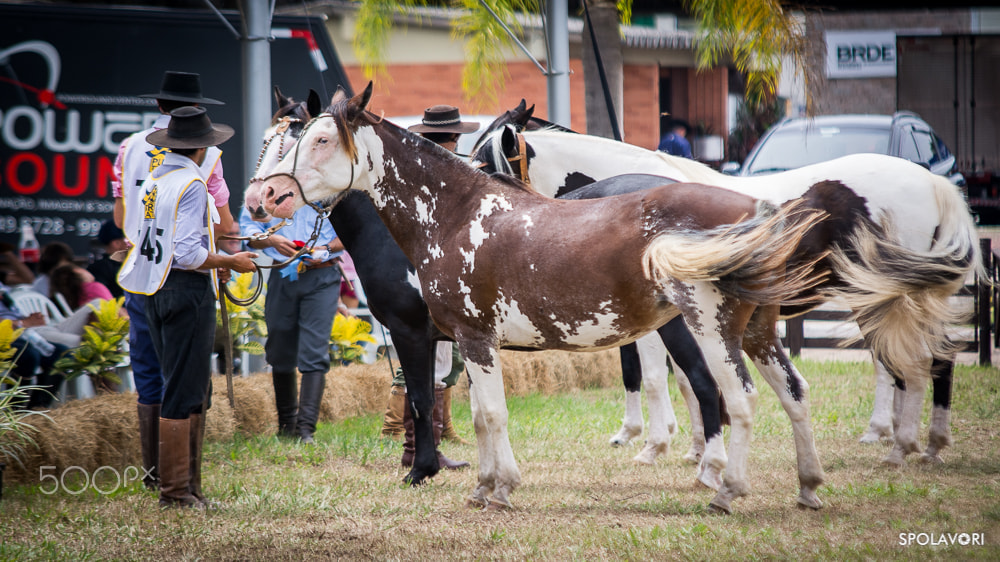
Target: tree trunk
[604,17]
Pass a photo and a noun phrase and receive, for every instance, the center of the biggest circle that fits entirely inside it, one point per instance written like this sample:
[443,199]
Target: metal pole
[557,20]
[256,80]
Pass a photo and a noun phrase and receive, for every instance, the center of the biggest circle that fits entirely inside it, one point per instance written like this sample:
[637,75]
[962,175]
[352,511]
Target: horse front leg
[415,350]
[718,332]
[498,472]
[662,421]
[632,423]
[763,345]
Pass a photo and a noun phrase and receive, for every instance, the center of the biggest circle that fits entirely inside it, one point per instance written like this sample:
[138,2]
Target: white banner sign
[860,54]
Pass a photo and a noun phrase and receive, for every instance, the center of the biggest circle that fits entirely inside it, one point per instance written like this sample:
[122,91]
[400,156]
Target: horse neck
[417,185]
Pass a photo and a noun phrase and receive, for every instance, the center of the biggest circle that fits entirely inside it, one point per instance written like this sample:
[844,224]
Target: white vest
[138,161]
[148,262]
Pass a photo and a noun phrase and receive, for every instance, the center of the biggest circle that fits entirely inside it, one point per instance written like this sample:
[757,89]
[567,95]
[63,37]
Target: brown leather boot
[149,444]
[175,464]
[196,441]
[392,420]
[449,432]
[409,435]
[438,425]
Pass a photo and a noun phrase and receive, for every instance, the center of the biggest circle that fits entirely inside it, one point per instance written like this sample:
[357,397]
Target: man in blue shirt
[299,308]
[675,142]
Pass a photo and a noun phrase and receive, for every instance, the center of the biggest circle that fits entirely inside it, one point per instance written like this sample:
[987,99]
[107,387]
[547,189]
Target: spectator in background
[34,352]
[675,141]
[105,268]
[13,271]
[77,285]
[52,256]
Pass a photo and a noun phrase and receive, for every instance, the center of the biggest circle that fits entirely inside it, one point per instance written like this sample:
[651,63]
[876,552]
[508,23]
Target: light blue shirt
[303,223]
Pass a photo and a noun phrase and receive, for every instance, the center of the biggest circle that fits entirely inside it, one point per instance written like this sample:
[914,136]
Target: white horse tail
[901,297]
[746,260]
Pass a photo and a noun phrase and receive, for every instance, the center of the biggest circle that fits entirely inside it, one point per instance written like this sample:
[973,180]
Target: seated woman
[78,287]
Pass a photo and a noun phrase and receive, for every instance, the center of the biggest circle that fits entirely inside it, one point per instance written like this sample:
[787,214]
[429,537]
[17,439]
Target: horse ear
[280,98]
[508,141]
[339,95]
[522,115]
[313,105]
[356,105]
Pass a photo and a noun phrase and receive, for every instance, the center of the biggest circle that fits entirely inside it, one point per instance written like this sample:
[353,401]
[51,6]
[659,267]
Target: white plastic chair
[30,302]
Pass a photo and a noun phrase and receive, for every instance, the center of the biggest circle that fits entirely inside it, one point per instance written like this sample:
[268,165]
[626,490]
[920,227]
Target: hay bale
[104,430]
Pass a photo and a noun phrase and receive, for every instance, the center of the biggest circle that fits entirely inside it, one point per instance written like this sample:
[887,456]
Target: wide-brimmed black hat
[182,86]
[443,119]
[190,127]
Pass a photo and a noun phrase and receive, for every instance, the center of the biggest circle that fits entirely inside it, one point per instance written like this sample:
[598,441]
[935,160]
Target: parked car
[797,141]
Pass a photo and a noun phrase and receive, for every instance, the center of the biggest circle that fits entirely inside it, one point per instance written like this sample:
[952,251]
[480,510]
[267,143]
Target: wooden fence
[982,319]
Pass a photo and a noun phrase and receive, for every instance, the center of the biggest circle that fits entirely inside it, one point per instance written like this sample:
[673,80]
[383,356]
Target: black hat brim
[220,133]
[189,99]
[461,127]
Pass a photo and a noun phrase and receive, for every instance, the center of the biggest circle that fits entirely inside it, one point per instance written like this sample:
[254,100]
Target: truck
[70,81]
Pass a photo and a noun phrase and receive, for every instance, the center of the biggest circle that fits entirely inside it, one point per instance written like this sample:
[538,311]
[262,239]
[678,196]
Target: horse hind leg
[632,423]
[906,439]
[880,426]
[764,348]
[697,448]
[662,422]
[939,435]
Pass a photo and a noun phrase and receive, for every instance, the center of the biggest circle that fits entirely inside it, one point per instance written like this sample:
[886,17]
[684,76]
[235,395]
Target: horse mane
[295,109]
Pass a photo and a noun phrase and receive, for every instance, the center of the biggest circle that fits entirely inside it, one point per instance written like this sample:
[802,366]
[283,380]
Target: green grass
[579,500]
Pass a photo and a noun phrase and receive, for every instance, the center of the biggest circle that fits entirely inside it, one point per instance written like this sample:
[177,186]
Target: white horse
[928,212]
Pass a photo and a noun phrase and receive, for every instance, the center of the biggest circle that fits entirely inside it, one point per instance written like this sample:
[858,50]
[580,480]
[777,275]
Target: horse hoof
[497,506]
[719,508]
[476,503]
[810,501]
[893,461]
[645,457]
[710,480]
[692,457]
[931,458]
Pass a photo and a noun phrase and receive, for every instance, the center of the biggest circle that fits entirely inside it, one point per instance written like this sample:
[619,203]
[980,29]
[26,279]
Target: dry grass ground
[579,498]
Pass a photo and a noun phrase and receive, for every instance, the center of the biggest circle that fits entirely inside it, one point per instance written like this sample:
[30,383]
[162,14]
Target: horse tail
[900,297]
[746,260]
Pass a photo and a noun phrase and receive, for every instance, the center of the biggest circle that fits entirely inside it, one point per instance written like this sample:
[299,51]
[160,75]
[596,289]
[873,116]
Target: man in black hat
[136,159]
[174,264]
[442,125]
[105,269]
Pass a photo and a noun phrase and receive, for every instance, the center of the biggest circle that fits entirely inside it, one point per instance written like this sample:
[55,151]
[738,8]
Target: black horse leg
[939,437]
[632,424]
[416,358]
[687,356]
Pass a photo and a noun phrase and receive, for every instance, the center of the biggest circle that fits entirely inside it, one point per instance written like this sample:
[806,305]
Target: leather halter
[521,157]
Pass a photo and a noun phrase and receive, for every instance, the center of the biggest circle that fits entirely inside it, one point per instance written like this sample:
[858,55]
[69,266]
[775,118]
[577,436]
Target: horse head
[322,162]
[286,126]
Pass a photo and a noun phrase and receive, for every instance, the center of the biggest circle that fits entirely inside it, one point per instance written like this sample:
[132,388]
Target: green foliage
[246,323]
[752,121]
[15,432]
[754,34]
[102,347]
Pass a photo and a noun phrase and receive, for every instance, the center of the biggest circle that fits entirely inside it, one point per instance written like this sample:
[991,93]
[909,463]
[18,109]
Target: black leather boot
[149,443]
[310,399]
[285,401]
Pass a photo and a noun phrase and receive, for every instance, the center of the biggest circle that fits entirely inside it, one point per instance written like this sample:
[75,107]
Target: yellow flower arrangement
[346,337]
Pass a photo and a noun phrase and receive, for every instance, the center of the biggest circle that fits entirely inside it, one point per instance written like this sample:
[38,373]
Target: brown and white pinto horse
[501,266]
